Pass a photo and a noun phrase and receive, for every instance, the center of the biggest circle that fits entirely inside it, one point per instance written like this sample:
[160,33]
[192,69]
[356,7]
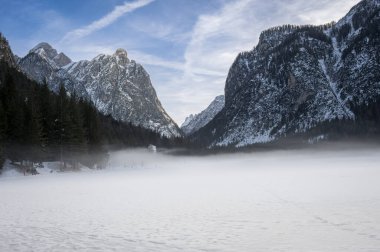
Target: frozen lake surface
[274,201]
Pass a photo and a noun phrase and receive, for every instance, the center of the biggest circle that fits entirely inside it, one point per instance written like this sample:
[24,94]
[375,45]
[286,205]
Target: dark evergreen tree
[47,119]
[76,143]
[15,119]
[3,128]
[62,126]
[32,139]
[93,136]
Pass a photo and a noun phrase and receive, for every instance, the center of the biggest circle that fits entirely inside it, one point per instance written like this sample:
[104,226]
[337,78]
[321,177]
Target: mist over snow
[310,200]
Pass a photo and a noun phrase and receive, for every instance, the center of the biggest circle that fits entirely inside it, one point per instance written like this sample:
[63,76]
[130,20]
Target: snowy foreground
[274,201]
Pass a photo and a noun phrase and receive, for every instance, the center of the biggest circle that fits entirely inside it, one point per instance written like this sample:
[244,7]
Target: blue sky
[187,46]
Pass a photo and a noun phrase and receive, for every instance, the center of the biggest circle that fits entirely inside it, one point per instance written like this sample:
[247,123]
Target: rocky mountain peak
[121,53]
[121,56]
[44,48]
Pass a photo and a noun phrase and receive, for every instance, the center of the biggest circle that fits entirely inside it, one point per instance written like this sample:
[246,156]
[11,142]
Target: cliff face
[298,77]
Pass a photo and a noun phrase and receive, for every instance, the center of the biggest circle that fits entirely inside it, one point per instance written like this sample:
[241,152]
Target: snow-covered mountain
[195,122]
[116,85]
[298,77]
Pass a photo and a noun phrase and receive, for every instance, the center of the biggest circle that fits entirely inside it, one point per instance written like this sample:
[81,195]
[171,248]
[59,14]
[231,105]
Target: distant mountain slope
[195,122]
[116,85]
[299,77]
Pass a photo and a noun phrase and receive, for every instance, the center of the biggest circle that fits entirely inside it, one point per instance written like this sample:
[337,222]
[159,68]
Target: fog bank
[268,201]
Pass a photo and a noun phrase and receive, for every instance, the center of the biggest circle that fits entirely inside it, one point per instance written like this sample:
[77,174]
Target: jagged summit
[45,50]
[121,56]
[121,53]
[43,45]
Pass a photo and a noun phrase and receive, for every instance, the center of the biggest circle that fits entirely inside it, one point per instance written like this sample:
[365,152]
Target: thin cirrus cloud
[152,60]
[106,20]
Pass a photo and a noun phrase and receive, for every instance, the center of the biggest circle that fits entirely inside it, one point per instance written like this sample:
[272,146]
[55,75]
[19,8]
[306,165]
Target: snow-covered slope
[116,85]
[195,122]
[298,77]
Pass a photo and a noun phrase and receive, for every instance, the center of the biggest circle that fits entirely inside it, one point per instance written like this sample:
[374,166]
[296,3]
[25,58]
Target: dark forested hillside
[38,125]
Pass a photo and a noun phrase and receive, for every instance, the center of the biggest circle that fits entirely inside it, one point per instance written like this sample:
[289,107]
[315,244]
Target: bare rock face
[116,85]
[62,60]
[298,77]
[122,88]
[121,53]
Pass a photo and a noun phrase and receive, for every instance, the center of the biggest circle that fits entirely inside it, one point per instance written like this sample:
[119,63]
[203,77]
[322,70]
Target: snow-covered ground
[274,201]
[10,170]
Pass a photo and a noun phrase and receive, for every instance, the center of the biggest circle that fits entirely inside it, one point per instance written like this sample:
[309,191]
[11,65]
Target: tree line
[295,28]
[37,125]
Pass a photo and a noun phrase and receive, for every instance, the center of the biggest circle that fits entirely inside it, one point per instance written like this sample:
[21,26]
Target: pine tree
[91,123]
[93,137]
[3,127]
[15,119]
[68,128]
[76,144]
[32,140]
[61,125]
[47,119]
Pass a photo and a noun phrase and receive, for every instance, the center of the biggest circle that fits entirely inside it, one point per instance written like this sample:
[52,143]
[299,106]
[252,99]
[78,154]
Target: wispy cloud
[319,12]
[161,30]
[106,20]
[148,59]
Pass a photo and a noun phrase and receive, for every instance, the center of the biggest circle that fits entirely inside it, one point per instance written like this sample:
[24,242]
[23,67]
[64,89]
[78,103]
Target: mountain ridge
[298,77]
